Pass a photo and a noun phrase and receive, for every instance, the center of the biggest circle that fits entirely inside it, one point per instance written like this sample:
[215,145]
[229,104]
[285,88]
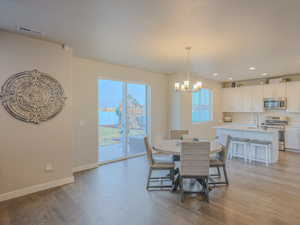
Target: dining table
[173,147]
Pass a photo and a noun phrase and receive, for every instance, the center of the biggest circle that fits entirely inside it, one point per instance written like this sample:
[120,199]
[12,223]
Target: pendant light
[187,85]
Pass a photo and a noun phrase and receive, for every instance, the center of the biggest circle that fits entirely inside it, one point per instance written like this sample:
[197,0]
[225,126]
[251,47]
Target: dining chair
[178,134]
[194,164]
[219,161]
[159,162]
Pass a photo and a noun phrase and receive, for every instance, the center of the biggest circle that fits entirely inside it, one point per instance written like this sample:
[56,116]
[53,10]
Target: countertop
[247,128]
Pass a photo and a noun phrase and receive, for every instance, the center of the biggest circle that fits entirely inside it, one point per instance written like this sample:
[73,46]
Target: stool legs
[245,152]
[250,149]
[234,150]
[254,150]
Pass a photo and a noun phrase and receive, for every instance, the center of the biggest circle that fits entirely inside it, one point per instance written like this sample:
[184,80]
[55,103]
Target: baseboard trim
[121,159]
[292,150]
[36,188]
[85,167]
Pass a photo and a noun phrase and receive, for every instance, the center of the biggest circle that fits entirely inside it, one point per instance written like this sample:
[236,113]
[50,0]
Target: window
[202,106]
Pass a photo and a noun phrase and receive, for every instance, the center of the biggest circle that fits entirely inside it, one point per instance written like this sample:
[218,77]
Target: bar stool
[262,146]
[235,143]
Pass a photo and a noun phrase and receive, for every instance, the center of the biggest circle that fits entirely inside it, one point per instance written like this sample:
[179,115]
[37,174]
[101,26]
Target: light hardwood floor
[115,195]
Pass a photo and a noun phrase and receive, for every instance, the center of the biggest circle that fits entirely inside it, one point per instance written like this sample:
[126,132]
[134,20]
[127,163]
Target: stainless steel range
[277,122]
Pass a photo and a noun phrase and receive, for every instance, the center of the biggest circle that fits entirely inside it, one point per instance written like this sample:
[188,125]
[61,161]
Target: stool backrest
[194,159]
[178,134]
[149,150]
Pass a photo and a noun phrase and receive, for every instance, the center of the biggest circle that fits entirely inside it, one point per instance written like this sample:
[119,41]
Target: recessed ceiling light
[215,74]
[264,74]
[229,78]
[252,68]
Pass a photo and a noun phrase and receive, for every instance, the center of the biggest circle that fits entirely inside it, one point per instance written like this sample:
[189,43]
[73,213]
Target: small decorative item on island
[32,96]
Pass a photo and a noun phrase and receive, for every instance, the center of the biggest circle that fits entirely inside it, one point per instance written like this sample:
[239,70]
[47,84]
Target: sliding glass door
[136,118]
[123,119]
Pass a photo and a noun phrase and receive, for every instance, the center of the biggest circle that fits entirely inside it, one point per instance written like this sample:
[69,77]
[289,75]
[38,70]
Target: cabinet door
[275,90]
[292,94]
[252,98]
[246,99]
[243,99]
[257,96]
[237,100]
[226,95]
[228,100]
[292,138]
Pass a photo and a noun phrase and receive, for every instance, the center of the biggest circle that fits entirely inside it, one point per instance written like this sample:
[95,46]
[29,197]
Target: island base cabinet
[259,155]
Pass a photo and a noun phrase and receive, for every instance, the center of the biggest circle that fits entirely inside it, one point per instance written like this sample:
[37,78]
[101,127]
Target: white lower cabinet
[292,138]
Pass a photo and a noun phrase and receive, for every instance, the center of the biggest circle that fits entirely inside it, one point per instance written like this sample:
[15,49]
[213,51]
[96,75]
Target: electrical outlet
[49,167]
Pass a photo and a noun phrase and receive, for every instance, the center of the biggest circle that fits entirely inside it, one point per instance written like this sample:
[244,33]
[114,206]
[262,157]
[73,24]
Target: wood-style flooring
[115,195]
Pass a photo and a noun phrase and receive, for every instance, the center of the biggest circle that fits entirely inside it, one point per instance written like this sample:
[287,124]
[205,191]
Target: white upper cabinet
[275,90]
[256,98]
[227,99]
[250,98]
[242,99]
[293,96]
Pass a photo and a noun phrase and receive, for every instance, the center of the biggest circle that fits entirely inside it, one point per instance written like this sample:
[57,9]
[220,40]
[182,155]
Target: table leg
[176,183]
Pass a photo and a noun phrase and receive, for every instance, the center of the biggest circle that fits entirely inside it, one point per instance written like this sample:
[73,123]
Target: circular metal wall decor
[32,96]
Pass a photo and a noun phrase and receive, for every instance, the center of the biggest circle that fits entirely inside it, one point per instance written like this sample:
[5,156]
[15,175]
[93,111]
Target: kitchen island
[251,133]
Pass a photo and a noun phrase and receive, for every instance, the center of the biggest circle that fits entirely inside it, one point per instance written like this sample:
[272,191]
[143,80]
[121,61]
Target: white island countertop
[246,128]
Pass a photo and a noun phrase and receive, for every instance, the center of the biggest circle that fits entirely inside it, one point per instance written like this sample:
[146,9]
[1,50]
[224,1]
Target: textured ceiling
[227,36]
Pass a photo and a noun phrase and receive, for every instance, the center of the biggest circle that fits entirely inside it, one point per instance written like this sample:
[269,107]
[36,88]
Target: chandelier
[187,85]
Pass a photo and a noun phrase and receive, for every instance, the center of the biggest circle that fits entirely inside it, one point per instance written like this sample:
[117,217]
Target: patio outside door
[123,119]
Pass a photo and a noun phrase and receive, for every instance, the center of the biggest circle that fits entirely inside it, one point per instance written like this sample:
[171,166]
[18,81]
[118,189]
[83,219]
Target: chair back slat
[225,146]
[194,159]
[149,150]
[178,134]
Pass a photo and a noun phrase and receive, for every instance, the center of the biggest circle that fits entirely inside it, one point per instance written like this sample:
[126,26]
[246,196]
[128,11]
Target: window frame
[211,107]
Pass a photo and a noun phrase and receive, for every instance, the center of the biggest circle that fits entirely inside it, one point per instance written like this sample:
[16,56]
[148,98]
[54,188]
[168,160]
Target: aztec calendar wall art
[32,96]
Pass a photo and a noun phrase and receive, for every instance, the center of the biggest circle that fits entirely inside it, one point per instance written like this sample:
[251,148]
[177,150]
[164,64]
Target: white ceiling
[227,36]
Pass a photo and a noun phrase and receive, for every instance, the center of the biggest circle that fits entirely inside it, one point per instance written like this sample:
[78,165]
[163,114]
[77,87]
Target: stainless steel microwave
[275,103]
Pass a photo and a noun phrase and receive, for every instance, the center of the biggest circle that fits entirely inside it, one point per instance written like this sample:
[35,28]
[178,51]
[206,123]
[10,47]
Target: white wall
[85,75]
[26,148]
[181,108]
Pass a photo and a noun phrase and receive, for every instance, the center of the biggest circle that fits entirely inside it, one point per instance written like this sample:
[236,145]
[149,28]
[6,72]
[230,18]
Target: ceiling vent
[29,30]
